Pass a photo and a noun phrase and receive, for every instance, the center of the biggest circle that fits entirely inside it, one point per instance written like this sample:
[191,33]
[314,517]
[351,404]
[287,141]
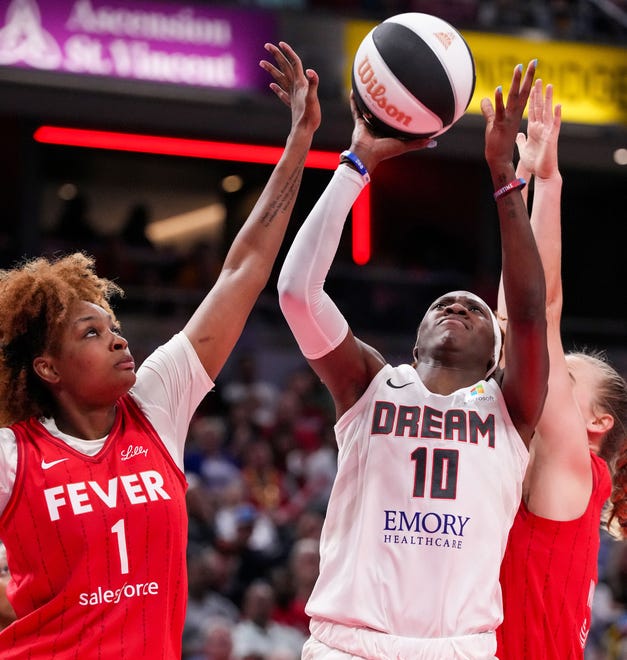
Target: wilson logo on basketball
[377,92]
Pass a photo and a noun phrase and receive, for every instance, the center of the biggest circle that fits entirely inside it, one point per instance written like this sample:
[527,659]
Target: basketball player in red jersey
[549,571]
[92,490]
[431,454]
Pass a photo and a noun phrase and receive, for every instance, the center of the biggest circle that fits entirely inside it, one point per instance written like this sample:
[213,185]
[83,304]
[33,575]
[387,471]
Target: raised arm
[525,376]
[344,363]
[218,322]
[559,479]
[538,159]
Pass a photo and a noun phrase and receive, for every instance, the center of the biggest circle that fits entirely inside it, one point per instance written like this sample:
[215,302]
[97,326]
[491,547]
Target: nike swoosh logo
[46,466]
[398,387]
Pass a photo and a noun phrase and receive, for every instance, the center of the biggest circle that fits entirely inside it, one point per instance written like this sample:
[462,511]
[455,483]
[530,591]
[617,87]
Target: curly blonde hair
[35,298]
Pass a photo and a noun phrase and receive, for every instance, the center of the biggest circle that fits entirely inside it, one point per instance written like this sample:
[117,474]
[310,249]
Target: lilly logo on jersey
[133,450]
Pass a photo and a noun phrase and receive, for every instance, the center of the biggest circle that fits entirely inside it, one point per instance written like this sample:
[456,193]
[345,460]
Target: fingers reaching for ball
[288,65]
[296,87]
[503,118]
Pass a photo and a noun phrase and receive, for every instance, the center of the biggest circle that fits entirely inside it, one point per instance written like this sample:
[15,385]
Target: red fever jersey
[109,553]
[548,576]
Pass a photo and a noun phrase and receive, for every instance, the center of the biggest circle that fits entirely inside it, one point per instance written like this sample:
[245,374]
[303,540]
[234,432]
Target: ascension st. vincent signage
[202,46]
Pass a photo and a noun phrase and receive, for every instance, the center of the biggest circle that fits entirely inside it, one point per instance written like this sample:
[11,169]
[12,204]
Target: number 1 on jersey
[119,531]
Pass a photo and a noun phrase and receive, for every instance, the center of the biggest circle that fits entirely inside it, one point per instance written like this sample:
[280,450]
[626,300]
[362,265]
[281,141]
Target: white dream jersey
[425,494]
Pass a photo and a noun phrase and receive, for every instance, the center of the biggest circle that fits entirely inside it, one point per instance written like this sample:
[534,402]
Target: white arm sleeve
[317,324]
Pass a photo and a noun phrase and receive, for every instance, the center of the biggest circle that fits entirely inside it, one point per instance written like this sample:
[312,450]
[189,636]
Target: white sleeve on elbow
[317,324]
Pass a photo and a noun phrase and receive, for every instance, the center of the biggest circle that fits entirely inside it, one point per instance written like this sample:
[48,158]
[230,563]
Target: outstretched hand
[372,149]
[538,150]
[503,120]
[296,88]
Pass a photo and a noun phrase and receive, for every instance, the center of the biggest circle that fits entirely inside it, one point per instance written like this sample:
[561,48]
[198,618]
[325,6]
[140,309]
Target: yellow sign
[590,80]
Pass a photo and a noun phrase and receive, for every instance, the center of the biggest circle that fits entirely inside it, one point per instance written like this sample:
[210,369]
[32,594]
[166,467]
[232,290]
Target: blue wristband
[349,157]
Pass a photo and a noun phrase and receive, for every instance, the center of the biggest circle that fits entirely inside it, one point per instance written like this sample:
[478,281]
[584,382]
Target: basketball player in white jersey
[92,489]
[431,454]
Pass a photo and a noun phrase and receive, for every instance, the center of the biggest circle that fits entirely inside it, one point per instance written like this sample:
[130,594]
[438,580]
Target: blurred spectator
[240,430]
[296,581]
[264,480]
[210,576]
[239,522]
[254,557]
[308,525]
[317,404]
[608,633]
[202,505]
[309,478]
[281,654]
[303,411]
[320,468]
[7,613]
[206,454]
[246,386]
[617,572]
[616,636]
[257,636]
[217,641]
[293,428]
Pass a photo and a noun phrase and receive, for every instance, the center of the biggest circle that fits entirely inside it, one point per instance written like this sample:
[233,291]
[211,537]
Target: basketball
[413,76]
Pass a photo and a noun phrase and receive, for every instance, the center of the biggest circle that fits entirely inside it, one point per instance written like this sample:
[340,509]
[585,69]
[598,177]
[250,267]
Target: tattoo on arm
[286,196]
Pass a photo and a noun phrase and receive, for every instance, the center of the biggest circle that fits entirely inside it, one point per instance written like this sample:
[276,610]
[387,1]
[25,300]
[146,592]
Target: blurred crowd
[561,19]
[260,462]
[608,635]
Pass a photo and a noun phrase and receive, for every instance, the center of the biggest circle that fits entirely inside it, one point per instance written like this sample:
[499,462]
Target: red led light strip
[232,151]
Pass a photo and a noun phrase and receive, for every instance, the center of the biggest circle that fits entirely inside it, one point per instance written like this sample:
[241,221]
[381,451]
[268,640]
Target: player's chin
[125,380]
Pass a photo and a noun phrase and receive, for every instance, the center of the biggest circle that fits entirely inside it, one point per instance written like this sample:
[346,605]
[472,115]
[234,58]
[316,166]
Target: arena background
[432,219]
[181,78]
